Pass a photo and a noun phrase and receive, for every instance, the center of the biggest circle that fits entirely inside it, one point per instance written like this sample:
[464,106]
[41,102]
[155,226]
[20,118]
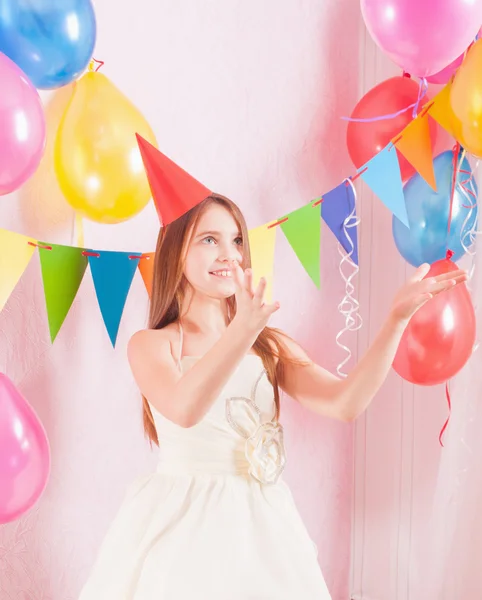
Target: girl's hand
[419,289]
[251,311]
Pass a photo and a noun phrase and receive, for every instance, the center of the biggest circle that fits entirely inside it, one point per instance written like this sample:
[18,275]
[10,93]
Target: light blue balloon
[427,239]
[52,41]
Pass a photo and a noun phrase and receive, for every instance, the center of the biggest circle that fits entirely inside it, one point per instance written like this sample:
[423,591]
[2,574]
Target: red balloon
[440,336]
[364,140]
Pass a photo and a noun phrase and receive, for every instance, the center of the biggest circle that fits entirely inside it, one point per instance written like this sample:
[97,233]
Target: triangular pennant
[337,206]
[416,146]
[441,111]
[63,268]
[173,190]
[15,254]
[382,175]
[262,243]
[112,273]
[302,229]
[146,267]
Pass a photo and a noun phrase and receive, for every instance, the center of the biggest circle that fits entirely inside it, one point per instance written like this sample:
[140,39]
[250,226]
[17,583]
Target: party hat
[174,191]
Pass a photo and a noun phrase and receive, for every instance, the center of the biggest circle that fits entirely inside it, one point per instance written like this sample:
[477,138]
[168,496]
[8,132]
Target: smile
[223,273]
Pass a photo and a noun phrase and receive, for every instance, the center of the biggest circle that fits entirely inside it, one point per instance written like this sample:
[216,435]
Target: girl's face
[215,241]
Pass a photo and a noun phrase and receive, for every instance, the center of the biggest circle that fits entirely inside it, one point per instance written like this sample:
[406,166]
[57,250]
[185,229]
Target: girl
[216,521]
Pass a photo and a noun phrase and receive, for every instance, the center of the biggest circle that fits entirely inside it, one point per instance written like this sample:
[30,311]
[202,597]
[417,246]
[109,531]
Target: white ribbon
[349,306]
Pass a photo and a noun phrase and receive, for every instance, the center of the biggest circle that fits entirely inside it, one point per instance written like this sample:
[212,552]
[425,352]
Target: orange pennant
[416,146]
[441,111]
[146,267]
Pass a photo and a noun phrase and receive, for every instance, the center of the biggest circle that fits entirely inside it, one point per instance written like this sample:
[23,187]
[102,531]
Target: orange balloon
[440,336]
[97,159]
[466,101]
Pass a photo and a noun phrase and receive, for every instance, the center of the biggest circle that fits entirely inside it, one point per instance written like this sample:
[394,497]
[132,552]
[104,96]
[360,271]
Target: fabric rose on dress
[264,446]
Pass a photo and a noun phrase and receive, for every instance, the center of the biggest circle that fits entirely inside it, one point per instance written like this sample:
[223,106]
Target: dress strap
[181,343]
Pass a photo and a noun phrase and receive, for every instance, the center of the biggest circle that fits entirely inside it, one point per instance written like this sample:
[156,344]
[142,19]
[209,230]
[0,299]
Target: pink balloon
[444,75]
[22,127]
[422,36]
[24,454]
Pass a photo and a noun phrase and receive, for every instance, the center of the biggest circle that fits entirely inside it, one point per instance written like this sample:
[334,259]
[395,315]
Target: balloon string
[423,85]
[93,61]
[455,151]
[468,235]
[349,306]
[447,395]
[422,90]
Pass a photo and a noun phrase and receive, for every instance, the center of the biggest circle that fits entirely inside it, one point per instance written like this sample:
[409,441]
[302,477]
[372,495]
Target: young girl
[216,521]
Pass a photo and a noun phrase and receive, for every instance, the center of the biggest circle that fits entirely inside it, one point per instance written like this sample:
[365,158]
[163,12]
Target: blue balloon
[52,41]
[427,240]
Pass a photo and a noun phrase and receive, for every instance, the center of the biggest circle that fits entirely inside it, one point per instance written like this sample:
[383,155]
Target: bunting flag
[15,254]
[63,269]
[415,144]
[382,175]
[337,206]
[262,243]
[174,191]
[441,111]
[146,267]
[112,273]
[302,230]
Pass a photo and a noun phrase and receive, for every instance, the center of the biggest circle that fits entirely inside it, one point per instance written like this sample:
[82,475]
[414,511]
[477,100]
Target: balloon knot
[405,74]
[449,254]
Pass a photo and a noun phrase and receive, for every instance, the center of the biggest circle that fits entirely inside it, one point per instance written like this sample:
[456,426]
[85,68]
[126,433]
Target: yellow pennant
[262,242]
[15,254]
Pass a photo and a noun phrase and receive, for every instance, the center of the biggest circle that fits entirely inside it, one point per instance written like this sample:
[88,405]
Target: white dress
[215,521]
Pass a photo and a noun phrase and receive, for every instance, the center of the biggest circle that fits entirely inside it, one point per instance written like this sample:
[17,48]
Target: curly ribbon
[447,395]
[467,239]
[349,306]
[422,91]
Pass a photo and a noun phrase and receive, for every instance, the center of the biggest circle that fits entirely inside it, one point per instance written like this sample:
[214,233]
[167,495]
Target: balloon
[428,213]
[440,337]
[465,100]
[22,127]
[51,40]
[422,36]
[445,74]
[24,454]
[364,140]
[97,159]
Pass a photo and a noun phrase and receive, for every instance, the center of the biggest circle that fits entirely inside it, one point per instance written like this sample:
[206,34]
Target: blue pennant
[382,175]
[112,273]
[337,205]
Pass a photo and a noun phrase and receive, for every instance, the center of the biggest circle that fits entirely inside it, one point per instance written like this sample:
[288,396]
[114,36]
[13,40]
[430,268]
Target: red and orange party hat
[174,191]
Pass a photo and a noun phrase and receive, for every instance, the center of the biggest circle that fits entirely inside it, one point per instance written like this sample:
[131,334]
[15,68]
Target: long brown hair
[169,285]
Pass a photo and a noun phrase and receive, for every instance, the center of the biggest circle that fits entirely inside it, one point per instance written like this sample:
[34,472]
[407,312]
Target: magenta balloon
[423,36]
[22,127]
[24,454]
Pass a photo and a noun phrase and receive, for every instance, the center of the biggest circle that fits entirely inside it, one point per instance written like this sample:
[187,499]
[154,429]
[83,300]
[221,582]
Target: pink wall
[246,96]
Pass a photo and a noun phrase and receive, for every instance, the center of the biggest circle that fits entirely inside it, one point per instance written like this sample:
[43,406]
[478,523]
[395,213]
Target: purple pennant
[337,205]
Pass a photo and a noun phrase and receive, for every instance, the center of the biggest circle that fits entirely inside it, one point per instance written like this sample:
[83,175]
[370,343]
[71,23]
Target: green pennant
[303,231]
[63,268]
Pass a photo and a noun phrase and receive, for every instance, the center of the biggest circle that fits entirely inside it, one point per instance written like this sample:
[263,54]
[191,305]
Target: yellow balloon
[97,160]
[466,101]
